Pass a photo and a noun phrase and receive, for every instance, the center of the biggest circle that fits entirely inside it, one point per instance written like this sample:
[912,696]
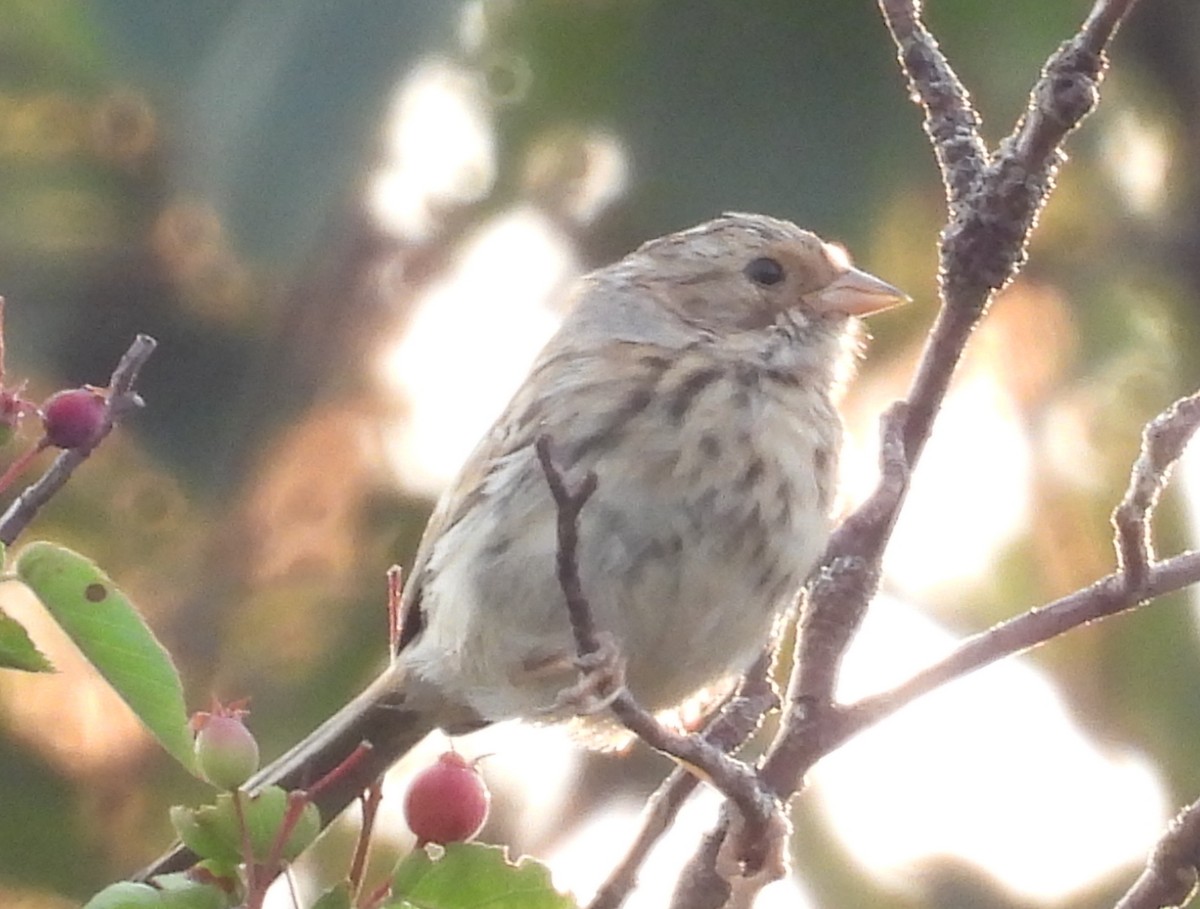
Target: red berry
[73,418]
[448,802]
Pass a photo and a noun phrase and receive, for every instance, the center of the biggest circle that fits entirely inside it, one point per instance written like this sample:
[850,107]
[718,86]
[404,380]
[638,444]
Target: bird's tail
[389,716]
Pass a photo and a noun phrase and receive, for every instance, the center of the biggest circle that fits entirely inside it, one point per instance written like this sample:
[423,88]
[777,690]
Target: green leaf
[471,876]
[197,896]
[265,813]
[125,895]
[17,650]
[214,831]
[335,898]
[211,832]
[178,891]
[109,631]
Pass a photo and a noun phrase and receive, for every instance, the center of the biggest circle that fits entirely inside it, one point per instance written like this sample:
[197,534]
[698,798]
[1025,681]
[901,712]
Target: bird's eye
[764,270]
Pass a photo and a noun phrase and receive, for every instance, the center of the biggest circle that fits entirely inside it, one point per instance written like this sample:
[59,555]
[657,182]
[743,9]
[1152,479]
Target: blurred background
[350,227]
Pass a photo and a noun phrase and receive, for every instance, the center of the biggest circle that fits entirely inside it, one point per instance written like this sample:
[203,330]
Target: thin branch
[993,201]
[734,779]
[982,249]
[569,504]
[837,593]
[2,341]
[985,245]
[835,606]
[993,204]
[371,800]
[1107,596]
[1137,579]
[1163,441]
[1068,89]
[951,123]
[700,884]
[828,731]
[729,730]
[1170,877]
[297,801]
[122,400]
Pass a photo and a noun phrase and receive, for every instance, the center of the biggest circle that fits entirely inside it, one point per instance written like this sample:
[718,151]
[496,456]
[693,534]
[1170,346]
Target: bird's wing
[560,396]
[516,428]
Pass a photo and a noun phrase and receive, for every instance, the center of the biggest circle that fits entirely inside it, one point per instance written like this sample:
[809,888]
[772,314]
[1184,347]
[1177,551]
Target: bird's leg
[600,677]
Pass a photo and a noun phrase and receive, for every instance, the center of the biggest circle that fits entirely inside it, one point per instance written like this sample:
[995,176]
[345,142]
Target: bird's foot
[601,680]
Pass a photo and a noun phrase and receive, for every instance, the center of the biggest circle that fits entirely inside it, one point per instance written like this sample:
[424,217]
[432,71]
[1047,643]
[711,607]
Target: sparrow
[697,378]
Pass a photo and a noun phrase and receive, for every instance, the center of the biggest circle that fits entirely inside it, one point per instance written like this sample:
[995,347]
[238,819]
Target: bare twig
[371,800]
[950,121]
[835,606]
[1163,441]
[1138,579]
[569,503]
[734,779]
[1068,89]
[122,400]
[1,341]
[700,884]
[252,870]
[297,801]
[1170,877]
[1107,596]
[982,249]
[993,202]
[952,125]
[728,731]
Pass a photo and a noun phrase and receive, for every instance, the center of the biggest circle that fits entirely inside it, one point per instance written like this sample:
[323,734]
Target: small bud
[226,751]
[448,802]
[73,418]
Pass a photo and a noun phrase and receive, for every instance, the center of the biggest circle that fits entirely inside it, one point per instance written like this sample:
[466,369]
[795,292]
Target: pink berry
[73,418]
[226,751]
[448,802]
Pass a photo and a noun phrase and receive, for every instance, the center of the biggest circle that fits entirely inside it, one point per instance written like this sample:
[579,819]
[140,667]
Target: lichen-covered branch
[733,725]
[993,201]
[1163,441]
[1173,870]
[1107,596]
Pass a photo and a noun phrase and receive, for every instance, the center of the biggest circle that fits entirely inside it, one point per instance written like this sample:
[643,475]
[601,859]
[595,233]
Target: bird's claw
[601,680]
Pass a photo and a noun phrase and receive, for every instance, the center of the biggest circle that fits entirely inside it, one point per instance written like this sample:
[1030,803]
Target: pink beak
[857,293]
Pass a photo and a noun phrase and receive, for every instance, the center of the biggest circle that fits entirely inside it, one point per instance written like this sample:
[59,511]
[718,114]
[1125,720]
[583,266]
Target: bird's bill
[856,293]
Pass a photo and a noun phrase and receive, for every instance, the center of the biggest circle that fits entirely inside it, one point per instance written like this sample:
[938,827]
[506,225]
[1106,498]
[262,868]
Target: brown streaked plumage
[697,378]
